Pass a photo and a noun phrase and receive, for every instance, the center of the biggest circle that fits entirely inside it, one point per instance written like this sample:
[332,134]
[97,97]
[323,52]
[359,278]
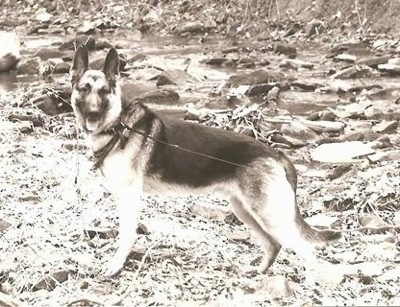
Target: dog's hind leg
[269,198]
[271,246]
[128,210]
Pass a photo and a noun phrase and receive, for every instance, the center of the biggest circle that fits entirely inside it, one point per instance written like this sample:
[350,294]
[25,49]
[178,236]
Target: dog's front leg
[128,211]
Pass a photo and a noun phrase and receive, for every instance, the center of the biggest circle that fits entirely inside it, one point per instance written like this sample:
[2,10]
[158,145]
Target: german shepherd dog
[139,151]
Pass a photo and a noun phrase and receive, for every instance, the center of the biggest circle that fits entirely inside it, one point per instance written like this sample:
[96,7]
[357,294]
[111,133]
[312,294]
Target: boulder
[341,152]
[29,66]
[286,49]
[9,51]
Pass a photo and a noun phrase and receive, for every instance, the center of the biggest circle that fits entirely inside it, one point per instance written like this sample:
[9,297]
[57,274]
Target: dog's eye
[104,90]
[84,89]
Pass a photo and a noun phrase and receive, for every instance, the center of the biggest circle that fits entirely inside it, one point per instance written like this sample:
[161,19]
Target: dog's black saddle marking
[120,133]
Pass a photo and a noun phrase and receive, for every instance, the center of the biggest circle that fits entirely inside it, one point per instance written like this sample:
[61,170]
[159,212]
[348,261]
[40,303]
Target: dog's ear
[80,63]
[111,65]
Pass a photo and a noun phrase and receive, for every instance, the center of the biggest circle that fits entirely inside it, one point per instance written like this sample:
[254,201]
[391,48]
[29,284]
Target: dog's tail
[315,235]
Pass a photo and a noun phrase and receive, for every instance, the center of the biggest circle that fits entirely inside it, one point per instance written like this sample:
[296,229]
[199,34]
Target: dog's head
[96,94]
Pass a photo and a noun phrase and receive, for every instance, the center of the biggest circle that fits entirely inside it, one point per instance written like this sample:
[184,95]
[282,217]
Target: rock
[341,152]
[391,155]
[371,220]
[386,126]
[210,24]
[275,287]
[50,281]
[62,68]
[214,212]
[322,220]
[391,69]
[296,27]
[47,68]
[99,63]
[295,64]
[286,49]
[344,57]
[324,126]
[239,237]
[47,53]
[190,27]
[258,89]
[175,77]
[9,301]
[4,225]
[374,112]
[29,66]
[304,86]
[9,51]
[256,77]
[314,27]
[218,61]
[43,16]
[287,140]
[228,50]
[322,115]
[382,142]
[273,94]
[297,130]
[394,61]
[100,45]
[357,48]
[374,61]
[160,96]
[54,102]
[355,71]
[88,41]
[34,119]
[339,171]
[353,110]
[102,233]
[25,127]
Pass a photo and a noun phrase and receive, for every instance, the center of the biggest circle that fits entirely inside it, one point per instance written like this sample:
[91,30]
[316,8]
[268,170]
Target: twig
[382,228]
[124,294]
[85,302]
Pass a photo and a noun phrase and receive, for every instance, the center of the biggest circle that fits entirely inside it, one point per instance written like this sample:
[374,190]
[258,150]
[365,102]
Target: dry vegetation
[57,221]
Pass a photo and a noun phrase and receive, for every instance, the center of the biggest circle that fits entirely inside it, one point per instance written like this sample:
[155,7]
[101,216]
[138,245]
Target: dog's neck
[117,134]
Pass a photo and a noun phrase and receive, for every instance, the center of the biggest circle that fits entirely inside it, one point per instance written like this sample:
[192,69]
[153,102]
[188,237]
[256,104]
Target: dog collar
[120,133]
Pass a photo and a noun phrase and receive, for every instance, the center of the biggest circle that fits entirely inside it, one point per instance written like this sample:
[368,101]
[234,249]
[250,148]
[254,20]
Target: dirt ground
[57,221]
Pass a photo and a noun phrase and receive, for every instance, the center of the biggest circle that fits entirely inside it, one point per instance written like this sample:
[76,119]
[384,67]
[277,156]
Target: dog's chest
[119,166]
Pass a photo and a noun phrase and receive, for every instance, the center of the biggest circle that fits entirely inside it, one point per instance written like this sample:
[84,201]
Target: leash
[184,149]
[121,134]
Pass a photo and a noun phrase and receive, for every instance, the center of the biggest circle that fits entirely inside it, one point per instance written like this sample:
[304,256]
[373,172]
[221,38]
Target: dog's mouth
[92,121]
[92,124]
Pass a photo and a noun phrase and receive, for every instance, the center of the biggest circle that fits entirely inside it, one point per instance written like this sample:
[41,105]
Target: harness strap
[119,134]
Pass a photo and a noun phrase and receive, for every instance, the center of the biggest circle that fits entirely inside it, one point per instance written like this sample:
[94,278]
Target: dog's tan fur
[162,155]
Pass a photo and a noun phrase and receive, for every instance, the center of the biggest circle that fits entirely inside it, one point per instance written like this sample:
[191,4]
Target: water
[176,53]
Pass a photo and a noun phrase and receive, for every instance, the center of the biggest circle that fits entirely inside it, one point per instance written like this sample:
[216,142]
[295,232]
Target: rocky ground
[317,81]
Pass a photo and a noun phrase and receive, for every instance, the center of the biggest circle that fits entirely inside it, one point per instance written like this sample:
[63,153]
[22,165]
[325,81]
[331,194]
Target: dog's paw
[113,267]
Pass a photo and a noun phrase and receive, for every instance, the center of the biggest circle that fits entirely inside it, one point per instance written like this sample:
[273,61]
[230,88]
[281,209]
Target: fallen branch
[8,301]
